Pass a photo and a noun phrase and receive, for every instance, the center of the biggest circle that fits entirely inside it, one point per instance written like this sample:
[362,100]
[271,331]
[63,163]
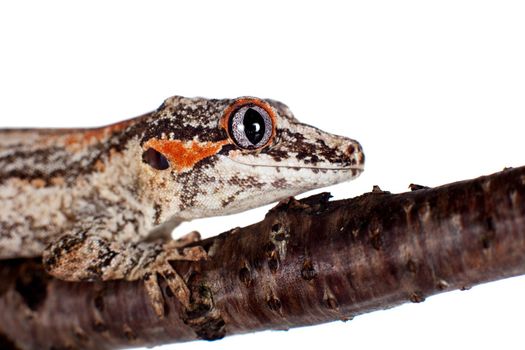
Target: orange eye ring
[250,123]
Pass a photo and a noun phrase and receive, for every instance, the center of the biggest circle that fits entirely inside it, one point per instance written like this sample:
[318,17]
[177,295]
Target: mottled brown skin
[100,204]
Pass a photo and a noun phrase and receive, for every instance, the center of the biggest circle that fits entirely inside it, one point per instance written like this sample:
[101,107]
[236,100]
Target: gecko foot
[90,258]
[192,237]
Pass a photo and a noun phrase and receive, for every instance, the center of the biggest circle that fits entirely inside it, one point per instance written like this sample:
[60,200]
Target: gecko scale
[100,204]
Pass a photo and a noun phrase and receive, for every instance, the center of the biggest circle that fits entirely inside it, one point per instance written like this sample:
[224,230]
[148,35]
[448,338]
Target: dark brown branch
[307,262]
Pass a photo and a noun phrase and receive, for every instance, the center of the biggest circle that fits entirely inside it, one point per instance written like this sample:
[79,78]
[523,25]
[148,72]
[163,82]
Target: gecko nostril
[355,153]
[351,149]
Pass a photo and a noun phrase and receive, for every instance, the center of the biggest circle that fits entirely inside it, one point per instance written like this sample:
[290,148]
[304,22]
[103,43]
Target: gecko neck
[51,180]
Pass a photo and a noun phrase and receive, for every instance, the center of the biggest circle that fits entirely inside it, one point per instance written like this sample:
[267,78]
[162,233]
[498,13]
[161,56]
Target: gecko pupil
[254,128]
[155,159]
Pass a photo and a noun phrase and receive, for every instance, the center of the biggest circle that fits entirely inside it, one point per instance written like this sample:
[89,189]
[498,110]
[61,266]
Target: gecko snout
[353,155]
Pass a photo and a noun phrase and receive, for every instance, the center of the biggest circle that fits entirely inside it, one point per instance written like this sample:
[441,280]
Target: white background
[433,90]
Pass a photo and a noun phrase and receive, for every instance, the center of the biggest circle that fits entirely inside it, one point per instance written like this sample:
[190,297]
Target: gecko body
[101,203]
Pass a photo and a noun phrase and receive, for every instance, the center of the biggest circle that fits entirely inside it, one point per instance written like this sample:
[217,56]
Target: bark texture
[307,262]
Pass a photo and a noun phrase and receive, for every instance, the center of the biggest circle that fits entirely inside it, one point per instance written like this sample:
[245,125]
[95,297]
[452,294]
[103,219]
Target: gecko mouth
[354,169]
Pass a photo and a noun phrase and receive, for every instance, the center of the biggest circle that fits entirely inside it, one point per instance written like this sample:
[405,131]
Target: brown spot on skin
[58,181]
[38,183]
[112,153]
[277,154]
[228,200]
[184,155]
[99,166]
[280,183]
[72,139]
[88,136]
[158,213]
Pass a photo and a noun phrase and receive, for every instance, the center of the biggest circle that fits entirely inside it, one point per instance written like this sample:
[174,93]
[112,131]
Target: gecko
[100,204]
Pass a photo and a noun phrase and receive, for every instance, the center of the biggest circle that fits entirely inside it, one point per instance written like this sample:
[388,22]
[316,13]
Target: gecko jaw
[354,168]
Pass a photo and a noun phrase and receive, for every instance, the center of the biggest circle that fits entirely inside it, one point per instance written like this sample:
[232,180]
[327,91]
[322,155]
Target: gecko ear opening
[155,159]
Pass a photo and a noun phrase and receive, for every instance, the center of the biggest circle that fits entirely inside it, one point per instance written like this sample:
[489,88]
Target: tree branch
[307,262]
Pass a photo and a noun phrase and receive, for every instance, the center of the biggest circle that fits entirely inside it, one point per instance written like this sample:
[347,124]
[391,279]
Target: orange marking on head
[71,139]
[87,136]
[184,155]
[101,133]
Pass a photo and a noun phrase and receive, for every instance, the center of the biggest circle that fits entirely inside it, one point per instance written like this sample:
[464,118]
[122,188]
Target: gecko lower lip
[349,168]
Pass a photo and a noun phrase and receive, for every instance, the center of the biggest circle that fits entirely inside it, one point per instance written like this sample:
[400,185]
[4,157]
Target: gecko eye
[155,159]
[250,126]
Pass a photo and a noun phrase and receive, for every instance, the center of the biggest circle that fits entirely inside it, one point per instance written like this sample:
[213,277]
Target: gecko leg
[84,257]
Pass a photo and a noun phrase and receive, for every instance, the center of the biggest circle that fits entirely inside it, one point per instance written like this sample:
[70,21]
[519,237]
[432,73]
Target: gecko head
[226,156]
